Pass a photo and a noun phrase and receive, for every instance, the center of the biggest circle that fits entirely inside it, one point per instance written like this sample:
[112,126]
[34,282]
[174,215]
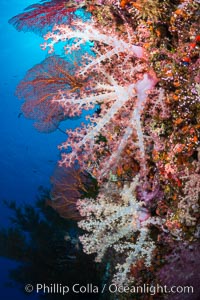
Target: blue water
[27,158]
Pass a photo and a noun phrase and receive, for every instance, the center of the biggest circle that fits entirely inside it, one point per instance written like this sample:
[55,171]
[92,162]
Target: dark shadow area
[47,250]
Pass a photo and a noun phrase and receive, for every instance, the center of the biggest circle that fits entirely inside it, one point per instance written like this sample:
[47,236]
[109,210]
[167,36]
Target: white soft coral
[112,220]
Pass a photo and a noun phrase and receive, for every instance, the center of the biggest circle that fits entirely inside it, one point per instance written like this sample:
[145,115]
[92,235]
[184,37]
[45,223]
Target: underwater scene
[100,150]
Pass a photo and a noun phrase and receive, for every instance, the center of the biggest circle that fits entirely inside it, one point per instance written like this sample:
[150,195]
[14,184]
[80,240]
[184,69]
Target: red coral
[40,88]
[38,17]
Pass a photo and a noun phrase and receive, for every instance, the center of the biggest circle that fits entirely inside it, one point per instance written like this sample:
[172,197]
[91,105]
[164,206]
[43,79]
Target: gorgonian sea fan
[38,17]
[40,85]
[69,185]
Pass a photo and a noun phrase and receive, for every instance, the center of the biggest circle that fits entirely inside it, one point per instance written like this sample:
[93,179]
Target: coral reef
[136,83]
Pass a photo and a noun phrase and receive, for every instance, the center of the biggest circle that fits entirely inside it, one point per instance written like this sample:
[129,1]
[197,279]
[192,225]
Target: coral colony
[130,172]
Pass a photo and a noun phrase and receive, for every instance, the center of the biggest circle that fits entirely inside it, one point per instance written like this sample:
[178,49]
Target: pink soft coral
[119,80]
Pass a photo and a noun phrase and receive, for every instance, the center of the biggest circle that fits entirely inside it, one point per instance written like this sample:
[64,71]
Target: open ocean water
[27,159]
